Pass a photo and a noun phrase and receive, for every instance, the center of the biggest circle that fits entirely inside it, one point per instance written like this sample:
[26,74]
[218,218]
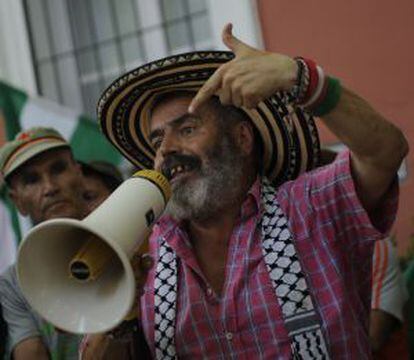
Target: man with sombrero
[248,264]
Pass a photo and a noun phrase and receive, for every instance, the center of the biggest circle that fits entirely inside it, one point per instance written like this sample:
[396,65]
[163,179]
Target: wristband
[331,98]
[300,86]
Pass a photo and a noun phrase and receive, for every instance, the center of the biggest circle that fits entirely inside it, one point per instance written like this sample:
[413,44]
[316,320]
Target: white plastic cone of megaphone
[80,303]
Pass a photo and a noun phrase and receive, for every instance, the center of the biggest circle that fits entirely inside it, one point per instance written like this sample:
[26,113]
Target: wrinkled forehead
[171,96]
[170,112]
[168,99]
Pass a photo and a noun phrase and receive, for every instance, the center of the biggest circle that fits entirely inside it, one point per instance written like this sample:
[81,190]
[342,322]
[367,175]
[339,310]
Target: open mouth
[178,171]
[178,166]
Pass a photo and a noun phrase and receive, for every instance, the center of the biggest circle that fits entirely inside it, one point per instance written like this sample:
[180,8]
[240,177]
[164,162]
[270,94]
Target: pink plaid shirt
[334,238]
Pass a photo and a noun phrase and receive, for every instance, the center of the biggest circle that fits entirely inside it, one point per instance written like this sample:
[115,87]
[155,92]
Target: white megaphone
[77,274]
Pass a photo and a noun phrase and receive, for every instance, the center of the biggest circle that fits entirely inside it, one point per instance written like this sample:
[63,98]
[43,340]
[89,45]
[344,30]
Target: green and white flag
[9,231]
[19,112]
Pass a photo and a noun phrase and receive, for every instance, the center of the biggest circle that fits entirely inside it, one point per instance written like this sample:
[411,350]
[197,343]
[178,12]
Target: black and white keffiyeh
[289,283]
[165,297]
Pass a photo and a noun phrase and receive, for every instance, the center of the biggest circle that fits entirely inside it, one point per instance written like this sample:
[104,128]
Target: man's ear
[245,137]
[14,196]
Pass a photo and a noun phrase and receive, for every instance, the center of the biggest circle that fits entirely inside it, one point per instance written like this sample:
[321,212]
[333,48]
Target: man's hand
[141,264]
[103,346]
[95,347]
[252,76]
[31,349]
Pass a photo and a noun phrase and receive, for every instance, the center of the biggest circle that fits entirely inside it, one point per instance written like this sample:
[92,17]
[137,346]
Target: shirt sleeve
[389,292]
[328,204]
[20,321]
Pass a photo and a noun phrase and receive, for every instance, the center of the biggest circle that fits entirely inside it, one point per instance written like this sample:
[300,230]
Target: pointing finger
[209,88]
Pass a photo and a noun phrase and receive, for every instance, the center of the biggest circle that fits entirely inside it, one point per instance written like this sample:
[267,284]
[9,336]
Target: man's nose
[170,145]
[50,187]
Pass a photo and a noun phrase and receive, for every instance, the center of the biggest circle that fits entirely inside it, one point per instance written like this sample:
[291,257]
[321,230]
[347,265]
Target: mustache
[173,160]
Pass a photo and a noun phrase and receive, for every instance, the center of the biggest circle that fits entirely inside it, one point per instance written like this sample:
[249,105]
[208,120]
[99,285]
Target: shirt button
[229,336]
[209,291]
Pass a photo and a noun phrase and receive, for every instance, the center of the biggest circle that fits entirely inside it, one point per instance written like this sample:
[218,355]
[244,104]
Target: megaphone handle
[140,347]
[125,328]
[130,330]
[141,263]
[131,334]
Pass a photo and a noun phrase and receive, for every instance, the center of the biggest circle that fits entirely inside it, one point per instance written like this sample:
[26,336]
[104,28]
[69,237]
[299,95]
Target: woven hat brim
[289,135]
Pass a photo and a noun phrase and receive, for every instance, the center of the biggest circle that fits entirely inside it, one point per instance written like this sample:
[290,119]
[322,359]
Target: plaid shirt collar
[167,225]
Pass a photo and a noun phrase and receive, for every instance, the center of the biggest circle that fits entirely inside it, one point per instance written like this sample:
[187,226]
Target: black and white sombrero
[289,135]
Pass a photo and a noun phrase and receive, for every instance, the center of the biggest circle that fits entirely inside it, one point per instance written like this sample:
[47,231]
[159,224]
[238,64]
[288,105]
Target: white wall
[15,58]
[244,16]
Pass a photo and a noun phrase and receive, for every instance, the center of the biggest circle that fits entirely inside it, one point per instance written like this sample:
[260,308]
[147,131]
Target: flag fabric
[21,112]
[9,232]
[18,111]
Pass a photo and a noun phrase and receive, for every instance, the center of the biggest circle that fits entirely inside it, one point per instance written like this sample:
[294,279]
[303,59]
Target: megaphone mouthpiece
[91,260]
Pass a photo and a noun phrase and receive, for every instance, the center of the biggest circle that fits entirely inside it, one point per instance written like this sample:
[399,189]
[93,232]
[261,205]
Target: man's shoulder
[9,286]
[9,276]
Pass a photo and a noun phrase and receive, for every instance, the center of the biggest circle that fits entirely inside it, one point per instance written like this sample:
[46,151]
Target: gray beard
[216,186]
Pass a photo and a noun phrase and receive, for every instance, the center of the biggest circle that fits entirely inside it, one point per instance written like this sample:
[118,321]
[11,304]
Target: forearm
[381,326]
[127,340]
[377,147]
[366,133]
[31,349]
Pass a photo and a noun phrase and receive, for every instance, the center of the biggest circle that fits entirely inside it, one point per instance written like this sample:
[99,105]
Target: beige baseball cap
[26,145]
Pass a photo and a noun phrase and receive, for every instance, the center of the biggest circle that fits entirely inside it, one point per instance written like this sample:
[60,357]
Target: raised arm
[377,146]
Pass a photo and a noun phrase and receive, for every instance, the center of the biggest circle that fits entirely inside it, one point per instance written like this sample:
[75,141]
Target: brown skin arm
[97,347]
[381,327]
[377,146]
[31,349]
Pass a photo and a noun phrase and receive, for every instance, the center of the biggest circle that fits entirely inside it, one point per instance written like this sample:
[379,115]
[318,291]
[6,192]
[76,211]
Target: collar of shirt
[174,232]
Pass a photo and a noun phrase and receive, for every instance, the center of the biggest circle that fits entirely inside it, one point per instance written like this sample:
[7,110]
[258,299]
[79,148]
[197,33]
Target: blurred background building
[58,56]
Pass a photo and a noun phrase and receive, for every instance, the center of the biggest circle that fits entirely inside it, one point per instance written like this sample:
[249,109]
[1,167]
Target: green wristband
[331,99]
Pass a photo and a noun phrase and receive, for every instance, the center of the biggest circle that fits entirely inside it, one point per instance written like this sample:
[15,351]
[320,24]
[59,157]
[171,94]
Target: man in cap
[244,269]
[44,182]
